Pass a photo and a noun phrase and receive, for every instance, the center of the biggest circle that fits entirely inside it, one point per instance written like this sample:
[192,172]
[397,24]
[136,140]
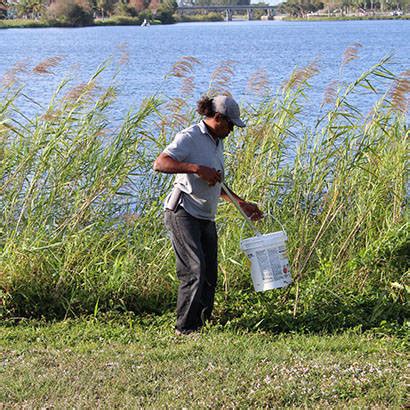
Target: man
[196,156]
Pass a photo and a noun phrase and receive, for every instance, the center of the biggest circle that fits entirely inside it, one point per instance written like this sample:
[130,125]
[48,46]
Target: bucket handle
[271,216]
[246,218]
[234,202]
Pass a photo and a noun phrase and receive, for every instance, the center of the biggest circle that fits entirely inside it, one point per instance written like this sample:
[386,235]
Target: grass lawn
[88,363]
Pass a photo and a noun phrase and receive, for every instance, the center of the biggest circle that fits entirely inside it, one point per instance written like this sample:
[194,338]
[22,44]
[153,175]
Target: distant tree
[165,12]
[402,5]
[122,8]
[105,7]
[299,8]
[3,10]
[222,2]
[71,12]
[145,15]
[139,5]
[30,8]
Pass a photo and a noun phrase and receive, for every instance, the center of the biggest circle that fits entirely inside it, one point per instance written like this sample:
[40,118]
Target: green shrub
[165,12]
[145,15]
[119,21]
[165,16]
[23,23]
[199,17]
[70,12]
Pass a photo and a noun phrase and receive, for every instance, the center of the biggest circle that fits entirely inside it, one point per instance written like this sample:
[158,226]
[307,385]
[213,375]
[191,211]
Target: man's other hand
[251,210]
[210,175]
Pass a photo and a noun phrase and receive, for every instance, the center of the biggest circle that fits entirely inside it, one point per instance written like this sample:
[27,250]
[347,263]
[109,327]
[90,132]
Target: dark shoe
[185,332]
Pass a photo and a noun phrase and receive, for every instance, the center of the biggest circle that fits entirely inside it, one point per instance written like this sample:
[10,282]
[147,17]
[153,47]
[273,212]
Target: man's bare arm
[167,164]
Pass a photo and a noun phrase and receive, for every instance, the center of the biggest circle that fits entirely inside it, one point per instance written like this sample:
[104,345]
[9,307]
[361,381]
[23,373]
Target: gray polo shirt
[196,145]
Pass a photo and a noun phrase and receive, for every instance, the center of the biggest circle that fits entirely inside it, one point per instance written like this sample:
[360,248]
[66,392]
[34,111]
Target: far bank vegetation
[345,8]
[77,13]
[74,13]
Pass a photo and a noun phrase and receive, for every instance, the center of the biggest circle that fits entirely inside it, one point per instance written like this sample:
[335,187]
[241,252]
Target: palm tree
[30,8]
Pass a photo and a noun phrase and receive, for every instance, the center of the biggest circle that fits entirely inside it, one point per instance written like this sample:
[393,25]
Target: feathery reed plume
[351,53]
[259,82]
[51,115]
[131,218]
[301,75]
[188,86]
[124,53]
[220,79]
[330,93]
[400,92]
[102,133]
[10,76]
[175,107]
[44,67]
[107,96]
[80,91]
[184,67]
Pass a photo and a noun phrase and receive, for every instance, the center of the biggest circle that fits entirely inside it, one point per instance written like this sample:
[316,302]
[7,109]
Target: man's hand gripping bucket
[267,253]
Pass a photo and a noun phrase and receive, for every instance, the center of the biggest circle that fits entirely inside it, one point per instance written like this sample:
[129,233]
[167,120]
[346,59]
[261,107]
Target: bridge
[229,10]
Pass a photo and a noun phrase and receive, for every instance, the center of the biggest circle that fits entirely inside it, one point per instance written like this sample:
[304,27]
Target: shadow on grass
[51,304]
[242,312]
[321,316]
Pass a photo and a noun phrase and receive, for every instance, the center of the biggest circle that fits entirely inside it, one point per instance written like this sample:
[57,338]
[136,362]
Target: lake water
[274,46]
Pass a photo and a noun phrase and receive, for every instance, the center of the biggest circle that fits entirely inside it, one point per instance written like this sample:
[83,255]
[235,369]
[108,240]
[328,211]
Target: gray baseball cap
[229,107]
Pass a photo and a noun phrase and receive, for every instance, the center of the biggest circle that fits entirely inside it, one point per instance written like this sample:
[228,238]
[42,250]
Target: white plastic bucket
[269,261]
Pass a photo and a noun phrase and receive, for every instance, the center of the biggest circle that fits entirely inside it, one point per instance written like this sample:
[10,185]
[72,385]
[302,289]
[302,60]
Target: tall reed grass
[81,226]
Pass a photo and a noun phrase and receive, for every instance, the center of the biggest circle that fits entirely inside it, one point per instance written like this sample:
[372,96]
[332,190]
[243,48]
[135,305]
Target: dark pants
[195,244]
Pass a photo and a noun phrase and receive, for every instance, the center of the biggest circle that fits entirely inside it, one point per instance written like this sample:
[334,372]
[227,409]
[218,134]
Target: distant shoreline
[346,18]
[116,21]
[26,23]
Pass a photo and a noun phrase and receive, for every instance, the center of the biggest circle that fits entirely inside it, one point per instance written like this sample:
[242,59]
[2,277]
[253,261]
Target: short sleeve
[180,147]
